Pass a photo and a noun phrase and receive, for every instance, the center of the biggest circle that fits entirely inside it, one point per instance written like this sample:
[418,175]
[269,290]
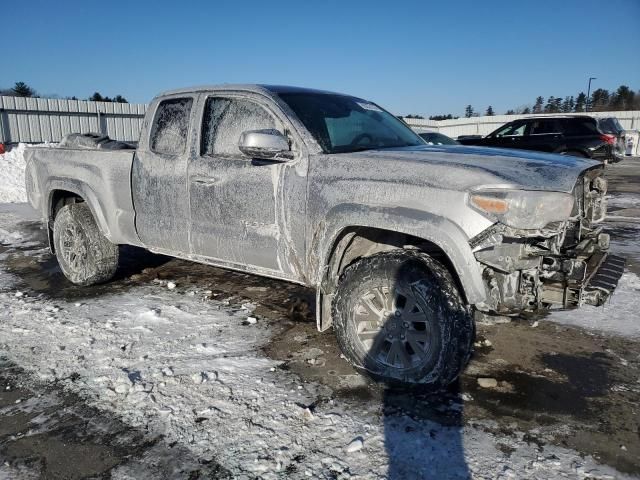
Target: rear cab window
[171,126]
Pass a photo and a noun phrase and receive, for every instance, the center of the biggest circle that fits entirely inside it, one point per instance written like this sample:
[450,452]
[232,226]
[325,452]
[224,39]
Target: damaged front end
[564,263]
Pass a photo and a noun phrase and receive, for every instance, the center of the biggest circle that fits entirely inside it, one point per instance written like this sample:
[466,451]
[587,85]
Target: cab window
[171,126]
[541,127]
[225,119]
[511,130]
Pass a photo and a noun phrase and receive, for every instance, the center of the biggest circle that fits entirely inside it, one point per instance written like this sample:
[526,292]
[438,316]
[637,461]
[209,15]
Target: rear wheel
[85,255]
[400,317]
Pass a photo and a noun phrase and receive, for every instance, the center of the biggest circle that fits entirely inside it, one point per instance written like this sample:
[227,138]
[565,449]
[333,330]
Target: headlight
[527,210]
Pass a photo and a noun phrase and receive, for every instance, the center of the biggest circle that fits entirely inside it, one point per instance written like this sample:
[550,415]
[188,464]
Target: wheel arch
[59,197]
[351,243]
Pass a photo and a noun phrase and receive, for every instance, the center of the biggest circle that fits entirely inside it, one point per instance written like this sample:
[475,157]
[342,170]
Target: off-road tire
[429,291]
[85,255]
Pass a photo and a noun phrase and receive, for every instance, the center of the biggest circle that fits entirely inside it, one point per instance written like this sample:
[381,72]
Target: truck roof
[247,87]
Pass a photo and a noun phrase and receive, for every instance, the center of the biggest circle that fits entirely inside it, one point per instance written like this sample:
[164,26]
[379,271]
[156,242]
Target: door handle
[205,181]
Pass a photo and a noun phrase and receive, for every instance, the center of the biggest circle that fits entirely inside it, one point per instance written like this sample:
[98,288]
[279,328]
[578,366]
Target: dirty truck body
[330,191]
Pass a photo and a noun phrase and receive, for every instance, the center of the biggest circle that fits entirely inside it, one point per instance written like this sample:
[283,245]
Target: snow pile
[12,188]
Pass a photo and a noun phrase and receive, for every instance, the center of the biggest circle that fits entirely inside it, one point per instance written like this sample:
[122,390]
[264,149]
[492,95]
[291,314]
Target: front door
[234,200]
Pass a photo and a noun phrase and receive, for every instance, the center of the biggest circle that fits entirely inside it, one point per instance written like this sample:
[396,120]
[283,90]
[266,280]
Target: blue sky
[409,56]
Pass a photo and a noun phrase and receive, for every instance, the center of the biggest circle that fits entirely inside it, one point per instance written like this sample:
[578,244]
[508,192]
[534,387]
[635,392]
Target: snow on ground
[618,316]
[626,200]
[172,362]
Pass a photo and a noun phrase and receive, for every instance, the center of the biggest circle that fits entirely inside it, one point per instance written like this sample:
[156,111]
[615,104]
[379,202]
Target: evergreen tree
[96,97]
[489,112]
[468,111]
[572,104]
[537,107]
[442,117]
[121,99]
[622,99]
[526,111]
[566,106]
[599,100]
[510,112]
[581,101]
[550,106]
[21,89]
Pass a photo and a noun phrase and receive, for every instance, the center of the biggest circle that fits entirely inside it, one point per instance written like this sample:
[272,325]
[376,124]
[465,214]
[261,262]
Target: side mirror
[265,144]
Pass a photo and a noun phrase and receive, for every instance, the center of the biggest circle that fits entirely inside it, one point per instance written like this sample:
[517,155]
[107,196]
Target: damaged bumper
[566,264]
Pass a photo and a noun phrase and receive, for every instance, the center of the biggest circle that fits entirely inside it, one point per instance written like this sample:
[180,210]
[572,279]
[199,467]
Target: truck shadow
[429,445]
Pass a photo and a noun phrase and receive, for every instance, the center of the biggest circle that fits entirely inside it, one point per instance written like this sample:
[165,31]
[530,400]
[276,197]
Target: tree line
[601,100]
[21,89]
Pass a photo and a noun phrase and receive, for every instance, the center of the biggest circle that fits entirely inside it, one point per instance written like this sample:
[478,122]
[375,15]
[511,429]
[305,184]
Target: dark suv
[576,135]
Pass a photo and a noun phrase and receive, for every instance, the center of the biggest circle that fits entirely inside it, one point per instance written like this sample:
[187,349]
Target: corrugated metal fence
[630,120]
[35,120]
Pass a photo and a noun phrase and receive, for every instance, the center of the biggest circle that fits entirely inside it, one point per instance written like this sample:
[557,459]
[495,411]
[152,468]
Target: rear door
[543,135]
[159,184]
[581,134]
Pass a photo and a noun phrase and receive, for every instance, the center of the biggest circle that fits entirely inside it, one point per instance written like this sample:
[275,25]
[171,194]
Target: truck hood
[467,167]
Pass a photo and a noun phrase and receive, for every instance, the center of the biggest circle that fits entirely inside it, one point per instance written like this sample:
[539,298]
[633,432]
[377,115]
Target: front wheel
[85,255]
[400,317]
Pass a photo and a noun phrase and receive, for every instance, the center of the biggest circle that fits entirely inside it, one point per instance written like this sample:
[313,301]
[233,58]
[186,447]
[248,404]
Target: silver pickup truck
[403,242]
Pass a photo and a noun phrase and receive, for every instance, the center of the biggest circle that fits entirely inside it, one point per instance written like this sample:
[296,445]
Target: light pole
[586,104]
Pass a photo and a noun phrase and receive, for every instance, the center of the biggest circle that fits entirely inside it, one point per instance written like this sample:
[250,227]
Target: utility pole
[586,103]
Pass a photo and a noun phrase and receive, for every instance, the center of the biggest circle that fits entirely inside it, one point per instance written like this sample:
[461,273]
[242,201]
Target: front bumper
[566,264]
[589,280]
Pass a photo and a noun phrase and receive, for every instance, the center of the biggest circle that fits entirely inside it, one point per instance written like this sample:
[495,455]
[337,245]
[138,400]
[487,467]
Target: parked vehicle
[402,242]
[612,126]
[436,138]
[576,135]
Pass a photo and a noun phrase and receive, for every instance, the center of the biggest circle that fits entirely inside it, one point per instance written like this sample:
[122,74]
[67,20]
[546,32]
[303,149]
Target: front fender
[436,229]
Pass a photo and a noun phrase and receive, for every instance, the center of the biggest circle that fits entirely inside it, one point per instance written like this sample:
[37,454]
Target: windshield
[434,138]
[343,124]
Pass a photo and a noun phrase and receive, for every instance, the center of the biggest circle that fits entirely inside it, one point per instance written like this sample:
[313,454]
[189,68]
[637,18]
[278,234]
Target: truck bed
[100,176]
